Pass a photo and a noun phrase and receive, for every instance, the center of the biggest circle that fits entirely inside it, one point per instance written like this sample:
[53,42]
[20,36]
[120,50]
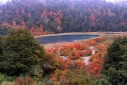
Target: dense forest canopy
[55,16]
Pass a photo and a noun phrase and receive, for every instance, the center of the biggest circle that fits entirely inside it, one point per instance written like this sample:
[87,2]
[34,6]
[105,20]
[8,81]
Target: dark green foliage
[4,77]
[1,44]
[115,63]
[102,80]
[4,30]
[21,53]
[116,55]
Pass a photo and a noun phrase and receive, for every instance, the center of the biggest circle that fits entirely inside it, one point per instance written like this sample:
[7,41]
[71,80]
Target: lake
[63,38]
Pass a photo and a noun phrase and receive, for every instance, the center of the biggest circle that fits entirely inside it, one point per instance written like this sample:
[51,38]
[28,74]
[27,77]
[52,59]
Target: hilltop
[59,16]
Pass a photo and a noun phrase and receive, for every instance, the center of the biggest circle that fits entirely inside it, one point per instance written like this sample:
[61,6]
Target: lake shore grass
[83,33]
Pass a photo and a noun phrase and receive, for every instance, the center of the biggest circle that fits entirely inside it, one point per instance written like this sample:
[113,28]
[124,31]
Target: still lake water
[63,38]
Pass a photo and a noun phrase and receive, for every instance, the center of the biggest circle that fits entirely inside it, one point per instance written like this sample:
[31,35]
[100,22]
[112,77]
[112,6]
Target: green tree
[102,80]
[1,43]
[21,53]
[115,64]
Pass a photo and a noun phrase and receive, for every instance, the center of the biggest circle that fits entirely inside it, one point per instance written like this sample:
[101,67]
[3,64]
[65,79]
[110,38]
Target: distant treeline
[42,16]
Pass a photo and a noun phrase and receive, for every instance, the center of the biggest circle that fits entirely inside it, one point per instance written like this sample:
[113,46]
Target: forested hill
[42,16]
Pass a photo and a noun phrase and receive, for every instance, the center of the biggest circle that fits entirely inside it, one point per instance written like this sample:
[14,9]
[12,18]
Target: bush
[7,83]
[6,80]
[2,78]
[27,81]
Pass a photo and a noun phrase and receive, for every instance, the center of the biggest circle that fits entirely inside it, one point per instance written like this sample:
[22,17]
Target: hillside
[56,16]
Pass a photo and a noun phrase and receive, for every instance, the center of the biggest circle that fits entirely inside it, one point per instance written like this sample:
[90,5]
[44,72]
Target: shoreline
[83,33]
[59,44]
[71,33]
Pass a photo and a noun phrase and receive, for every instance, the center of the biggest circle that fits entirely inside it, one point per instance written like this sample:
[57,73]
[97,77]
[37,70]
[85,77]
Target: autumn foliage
[71,54]
[56,16]
[26,81]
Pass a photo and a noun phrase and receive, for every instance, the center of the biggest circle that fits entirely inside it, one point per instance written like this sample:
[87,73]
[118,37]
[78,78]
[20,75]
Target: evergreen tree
[102,80]
[21,53]
[1,43]
[115,64]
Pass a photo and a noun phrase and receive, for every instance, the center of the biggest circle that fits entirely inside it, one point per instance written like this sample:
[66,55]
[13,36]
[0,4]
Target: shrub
[27,81]
[7,83]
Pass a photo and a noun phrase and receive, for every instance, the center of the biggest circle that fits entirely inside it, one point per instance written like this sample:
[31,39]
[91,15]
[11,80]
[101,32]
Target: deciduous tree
[21,53]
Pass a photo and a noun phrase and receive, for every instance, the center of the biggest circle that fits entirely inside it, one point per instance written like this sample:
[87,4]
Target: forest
[57,16]
[23,61]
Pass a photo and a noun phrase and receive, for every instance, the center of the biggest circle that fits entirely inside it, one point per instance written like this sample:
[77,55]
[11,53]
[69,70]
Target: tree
[115,63]
[51,63]
[116,55]
[1,42]
[21,53]
[102,80]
